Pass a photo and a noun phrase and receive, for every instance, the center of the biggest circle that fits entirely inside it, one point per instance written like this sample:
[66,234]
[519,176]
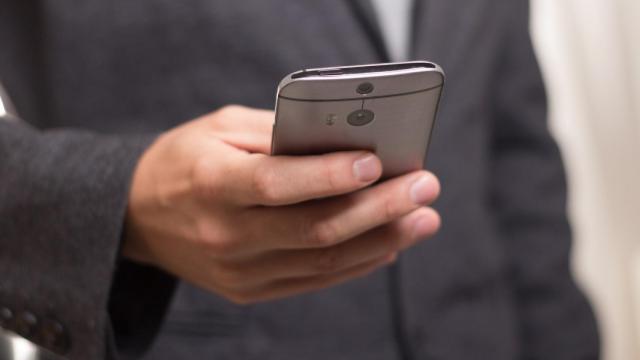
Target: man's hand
[209,206]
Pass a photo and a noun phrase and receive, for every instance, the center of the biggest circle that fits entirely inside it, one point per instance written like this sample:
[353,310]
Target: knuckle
[392,209]
[263,184]
[329,175]
[204,178]
[213,240]
[221,116]
[221,247]
[321,234]
[213,120]
[230,110]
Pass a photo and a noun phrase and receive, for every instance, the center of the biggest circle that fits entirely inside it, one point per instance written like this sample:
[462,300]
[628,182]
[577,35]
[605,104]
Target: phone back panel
[319,114]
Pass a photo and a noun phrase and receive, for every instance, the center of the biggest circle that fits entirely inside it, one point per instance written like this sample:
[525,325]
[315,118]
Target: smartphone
[389,109]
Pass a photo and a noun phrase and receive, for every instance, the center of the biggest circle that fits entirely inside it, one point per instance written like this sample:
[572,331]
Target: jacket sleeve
[63,197]
[529,196]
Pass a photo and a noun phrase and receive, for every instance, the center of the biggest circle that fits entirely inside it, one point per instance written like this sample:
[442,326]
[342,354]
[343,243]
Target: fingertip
[436,219]
[427,224]
[367,167]
[436,184]
[425,189]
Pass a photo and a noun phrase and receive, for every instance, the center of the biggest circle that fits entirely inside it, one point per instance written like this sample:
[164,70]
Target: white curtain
[590,55]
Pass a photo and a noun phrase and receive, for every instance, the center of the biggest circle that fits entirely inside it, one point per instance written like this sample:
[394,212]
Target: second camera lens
[360,117]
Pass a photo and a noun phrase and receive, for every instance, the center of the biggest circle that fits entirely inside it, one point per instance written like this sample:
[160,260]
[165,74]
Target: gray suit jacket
[96,79]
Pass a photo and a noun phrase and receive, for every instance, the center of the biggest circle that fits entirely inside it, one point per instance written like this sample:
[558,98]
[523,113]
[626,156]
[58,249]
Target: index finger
[242,127]
[284,180]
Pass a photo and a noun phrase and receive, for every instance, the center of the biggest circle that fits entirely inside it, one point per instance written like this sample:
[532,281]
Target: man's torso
[145,66]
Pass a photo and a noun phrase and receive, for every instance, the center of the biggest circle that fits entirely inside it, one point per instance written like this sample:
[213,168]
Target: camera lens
[365,88]
[360,117]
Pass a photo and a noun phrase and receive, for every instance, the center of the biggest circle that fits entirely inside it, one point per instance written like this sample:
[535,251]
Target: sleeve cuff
[140,297]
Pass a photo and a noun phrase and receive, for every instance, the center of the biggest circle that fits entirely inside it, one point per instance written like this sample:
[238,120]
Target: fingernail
[423,190]
[367,168]
[422,227]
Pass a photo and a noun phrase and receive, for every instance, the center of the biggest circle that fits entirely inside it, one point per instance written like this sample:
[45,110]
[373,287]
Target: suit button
[53,335]
[6,318]
[25,324]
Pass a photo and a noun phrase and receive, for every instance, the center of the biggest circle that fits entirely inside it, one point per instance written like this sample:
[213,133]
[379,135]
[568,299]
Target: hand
[209,206]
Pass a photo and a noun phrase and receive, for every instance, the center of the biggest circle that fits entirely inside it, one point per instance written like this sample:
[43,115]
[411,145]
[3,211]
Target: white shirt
[394,17]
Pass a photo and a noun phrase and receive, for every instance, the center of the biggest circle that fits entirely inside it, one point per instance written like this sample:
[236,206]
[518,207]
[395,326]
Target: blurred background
[590,55]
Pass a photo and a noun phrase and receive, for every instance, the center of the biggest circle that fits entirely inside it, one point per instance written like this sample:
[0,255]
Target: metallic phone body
[389,109]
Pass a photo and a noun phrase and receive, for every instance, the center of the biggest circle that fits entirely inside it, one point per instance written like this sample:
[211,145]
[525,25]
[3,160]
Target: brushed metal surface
[312,115]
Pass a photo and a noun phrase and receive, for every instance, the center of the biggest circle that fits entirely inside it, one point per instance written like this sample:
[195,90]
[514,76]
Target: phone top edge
[364,68]
[411,67]
[345,74]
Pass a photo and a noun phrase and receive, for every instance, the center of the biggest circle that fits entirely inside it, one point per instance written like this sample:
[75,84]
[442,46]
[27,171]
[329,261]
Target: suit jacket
[97,79]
